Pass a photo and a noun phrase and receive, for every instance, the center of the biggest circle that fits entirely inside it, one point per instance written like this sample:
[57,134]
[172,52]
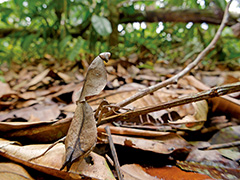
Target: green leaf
[73,54]
[221,3]
[101,25]
[27,41]
[64,42]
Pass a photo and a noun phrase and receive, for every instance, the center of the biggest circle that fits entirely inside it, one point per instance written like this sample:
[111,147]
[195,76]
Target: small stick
[186,70]
[223,145]
[213,92]
[114,153]
[49,148]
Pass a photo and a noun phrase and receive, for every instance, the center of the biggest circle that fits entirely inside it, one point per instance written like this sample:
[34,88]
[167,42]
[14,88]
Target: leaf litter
[158,132]
[154,145]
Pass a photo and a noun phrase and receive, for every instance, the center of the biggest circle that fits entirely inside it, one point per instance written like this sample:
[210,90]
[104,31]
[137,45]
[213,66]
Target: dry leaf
[35,132]
[40,111]
[11,171]
[214,170]
[51,162]
[224,104]
[135,172]
[196,121]
[173,172]
[38,78]
[165,144]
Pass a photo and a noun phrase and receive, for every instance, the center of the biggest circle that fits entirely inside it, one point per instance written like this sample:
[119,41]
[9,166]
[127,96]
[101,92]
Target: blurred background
[168,31]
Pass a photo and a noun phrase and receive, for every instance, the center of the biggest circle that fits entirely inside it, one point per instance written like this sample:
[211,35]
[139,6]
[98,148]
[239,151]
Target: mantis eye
[105,56]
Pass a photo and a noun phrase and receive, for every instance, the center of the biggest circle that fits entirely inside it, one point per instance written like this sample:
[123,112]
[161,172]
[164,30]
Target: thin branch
[213,92]
[114,153]
[220,146]
[186,70]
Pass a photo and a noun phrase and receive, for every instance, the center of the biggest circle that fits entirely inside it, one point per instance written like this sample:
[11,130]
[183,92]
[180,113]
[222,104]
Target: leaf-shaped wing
[96,79]
[82,134]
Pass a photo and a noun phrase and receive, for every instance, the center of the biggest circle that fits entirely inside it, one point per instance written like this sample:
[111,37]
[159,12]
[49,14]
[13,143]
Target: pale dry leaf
[165,144]
[51,162]
[38,78]
[5,89]
[41,111]
[11,171]
[196,121]
[135,172]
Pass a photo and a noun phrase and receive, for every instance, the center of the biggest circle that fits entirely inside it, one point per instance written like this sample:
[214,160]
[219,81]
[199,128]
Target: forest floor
[198,140]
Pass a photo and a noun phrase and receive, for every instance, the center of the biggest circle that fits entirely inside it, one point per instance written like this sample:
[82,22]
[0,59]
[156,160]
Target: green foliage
[101,25]
[66,28]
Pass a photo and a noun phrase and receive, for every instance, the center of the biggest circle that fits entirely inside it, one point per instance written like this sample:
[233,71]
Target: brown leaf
[215,171]
[51,162]
[196,121]
[173,172]
[5,89]
[38,78]
[35,132]
[224,104]
[135,172]
[39,111]
[165,144]
[11,171]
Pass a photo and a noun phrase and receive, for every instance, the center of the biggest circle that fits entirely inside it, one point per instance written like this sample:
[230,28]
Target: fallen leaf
[173,172]
[39,111]
[11,171]
[224,104]
[210,156]
[5,89]
[35,132]
[165,144]
[51,162]
[38,78]
[135,172]
[196,121]
[215,171]
[228,134]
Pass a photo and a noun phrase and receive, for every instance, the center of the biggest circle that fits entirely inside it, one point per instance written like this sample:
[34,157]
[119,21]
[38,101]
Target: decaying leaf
[51,162]
[213,170]
[82,134]
[13,171]
[165,144]
[196,121]
[135,172]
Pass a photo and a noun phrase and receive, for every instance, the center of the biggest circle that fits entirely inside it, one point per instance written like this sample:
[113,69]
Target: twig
[114,153]
[213,92]
[186,70]
[49,148]
[223,145]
